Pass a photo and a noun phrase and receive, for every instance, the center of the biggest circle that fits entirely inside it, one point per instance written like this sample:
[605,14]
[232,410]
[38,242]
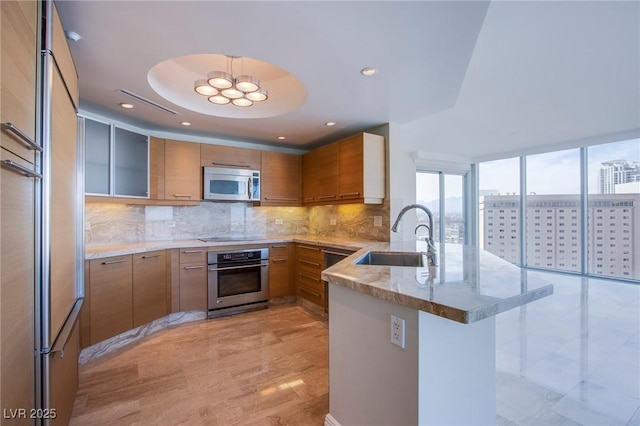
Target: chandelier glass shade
[221,88]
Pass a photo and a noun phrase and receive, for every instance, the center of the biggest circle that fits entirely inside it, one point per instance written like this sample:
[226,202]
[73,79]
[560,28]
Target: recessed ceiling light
[281,138]
[368,71]
[185,123]
[127,106]
[330,123]
[72,35]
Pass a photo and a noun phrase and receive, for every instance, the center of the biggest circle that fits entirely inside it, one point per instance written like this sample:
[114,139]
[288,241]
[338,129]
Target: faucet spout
[431,247]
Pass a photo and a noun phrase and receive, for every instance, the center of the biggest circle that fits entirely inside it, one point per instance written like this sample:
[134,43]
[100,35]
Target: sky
[555,172]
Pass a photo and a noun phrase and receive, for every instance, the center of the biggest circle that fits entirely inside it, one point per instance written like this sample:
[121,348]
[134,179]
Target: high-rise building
[616,172]
[553,232]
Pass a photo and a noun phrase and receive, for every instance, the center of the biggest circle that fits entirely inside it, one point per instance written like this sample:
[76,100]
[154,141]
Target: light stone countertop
[469,284]
[101,251]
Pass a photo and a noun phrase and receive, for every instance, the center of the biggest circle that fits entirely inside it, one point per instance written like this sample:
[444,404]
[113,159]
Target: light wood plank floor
[262,368]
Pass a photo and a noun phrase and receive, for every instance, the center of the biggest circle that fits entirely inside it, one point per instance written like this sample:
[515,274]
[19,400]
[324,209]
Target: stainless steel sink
[390,258]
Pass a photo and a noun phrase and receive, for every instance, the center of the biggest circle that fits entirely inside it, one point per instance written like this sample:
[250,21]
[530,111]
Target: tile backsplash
[110,223]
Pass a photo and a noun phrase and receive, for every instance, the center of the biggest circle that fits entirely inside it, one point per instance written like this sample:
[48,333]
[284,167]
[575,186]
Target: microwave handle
[250,187]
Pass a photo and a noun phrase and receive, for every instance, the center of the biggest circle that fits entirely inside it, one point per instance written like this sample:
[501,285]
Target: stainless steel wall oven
[238,281]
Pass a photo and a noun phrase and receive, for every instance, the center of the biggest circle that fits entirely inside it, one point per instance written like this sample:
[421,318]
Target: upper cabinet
[348,171]
[280,179]
[116,161]
[229,156]
[175,173]
[361,169]
[320,175]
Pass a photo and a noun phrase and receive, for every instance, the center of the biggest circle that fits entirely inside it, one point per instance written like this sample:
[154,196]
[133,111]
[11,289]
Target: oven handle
[261,265]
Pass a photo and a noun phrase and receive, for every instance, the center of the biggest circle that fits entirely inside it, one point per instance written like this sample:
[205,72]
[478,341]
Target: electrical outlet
[377,221]
[333,221]
[170,223]
[397,331]
[278,221]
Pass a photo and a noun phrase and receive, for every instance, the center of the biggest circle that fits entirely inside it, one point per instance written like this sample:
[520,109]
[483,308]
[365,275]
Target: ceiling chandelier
[222,87]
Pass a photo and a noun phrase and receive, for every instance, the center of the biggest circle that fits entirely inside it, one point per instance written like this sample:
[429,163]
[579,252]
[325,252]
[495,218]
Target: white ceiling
[468,77]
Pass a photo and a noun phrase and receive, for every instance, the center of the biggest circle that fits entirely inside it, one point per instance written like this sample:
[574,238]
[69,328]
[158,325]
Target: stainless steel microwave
[231,184]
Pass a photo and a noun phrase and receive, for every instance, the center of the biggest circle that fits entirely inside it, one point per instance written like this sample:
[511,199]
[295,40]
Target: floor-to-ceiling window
[444,194]
[613,232]
[499,208]
[553,220]
[582,211]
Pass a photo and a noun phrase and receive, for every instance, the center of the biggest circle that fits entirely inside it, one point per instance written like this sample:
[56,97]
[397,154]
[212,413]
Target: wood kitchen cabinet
[175,171]
[320,175]
[361,169]
[149,287]
[111,302]
[193,279]
[18,64]
[281,179]
[348,171]
[309,265]
[280,271]
[229,156]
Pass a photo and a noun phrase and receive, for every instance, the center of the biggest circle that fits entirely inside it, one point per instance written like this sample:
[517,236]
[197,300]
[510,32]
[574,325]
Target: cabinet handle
[21,169]
[309,277]
[350,194]
[326,197]
[309,199]
[279,246]
[191,251]
[280,199]
[313,293]
[278,260]
[337,253]
[310,248]
[230,164]
[112,262]
[151,257]
[194,267]
[19,133]
[182,195]
[228,268]
[308,262]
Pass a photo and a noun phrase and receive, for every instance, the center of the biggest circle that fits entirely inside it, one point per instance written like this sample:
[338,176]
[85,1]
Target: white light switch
[377,221]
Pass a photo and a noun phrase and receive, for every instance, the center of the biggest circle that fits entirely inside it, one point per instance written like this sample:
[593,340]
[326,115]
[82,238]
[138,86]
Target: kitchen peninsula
[444,370]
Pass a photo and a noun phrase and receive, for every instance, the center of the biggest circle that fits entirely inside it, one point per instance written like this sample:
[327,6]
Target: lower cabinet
[280,265]
[111,300]
[309,265]
[124,292]
[193,279]
[149,287]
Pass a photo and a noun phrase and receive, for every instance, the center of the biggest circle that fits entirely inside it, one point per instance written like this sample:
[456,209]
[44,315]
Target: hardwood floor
[262,368]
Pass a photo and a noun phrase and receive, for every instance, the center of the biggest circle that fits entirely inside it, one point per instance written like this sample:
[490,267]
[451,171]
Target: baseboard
[330,421]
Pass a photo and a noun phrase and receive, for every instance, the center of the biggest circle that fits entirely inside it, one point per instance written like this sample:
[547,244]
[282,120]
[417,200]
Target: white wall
[372,381]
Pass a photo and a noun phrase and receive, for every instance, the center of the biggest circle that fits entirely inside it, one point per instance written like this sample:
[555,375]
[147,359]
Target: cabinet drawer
[311,295]
[278,251]
[311,281]
[313,253]
[312,267]
[191,255]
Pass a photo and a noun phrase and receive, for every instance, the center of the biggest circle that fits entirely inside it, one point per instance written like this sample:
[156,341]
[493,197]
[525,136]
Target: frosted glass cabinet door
[96,160]
[131,164]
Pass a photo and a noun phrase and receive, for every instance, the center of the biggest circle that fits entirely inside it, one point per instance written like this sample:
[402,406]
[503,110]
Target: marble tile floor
[570,359]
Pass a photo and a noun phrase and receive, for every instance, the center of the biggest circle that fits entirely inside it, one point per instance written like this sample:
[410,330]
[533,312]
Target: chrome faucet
[431,247]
